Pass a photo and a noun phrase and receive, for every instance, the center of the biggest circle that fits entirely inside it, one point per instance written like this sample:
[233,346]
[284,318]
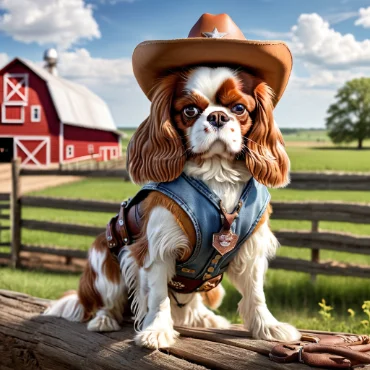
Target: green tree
[349,117]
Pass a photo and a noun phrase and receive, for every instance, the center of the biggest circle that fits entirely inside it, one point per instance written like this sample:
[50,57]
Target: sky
[329,40]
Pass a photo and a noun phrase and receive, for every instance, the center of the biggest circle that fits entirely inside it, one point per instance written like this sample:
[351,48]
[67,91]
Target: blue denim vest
[202,206]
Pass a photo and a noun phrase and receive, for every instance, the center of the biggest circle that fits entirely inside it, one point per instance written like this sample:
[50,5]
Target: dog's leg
[101,295]
[247,272]
[109,284]
[165,241]
[194,313]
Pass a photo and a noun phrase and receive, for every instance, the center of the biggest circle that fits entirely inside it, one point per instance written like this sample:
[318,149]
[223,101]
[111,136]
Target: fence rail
[299,180]
[315,212]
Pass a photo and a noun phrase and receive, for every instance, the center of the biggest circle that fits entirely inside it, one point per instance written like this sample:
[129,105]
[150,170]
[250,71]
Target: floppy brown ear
[155,152]
[267,159]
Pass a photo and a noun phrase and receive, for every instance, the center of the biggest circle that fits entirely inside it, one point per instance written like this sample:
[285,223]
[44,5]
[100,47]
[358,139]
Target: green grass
[304,158]
[38,283]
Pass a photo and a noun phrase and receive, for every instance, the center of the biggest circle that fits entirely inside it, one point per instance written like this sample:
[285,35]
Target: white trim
[104,150]
[23,82]
[61,142]
[31,156]
[70,151]
[90,148]
[78,159]
[33,109]
[11,121]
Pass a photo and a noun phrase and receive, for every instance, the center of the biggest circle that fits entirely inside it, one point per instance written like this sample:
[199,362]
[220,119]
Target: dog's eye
[191,111]
[238,109]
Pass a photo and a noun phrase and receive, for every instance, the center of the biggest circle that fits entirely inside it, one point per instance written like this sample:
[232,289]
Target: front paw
[212,321]
[154,339]
[279,331]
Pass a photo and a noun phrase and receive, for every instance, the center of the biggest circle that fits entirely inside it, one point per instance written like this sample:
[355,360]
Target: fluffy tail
[68,307]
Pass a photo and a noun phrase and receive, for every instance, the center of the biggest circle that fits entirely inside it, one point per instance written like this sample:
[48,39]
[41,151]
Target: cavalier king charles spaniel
[214,124]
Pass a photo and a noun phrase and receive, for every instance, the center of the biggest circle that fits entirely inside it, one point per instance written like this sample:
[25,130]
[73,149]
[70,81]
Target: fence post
[15,213]
[315,253]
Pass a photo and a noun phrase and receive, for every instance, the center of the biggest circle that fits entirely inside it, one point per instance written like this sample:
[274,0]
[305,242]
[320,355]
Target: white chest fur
[226,179]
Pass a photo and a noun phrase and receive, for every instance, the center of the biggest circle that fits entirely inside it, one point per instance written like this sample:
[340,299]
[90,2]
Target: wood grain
[29,340]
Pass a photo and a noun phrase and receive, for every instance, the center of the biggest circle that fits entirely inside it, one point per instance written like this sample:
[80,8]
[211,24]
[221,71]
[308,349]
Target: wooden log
[341,242]
[329,181]
[4,217]
[325,268]
[55,251]
[322,211]
[5,206]
[31,341]
[58,227]
[315,252]
[118,173]
[15,212]
[70,204]
[4,197]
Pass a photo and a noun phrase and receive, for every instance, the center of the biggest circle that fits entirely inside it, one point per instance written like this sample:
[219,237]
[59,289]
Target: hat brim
[269,60]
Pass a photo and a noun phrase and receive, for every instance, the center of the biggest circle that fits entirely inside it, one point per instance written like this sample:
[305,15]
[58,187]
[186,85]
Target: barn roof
[76,105]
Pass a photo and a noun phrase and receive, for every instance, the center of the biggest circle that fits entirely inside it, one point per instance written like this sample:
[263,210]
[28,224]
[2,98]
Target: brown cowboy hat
[213,40]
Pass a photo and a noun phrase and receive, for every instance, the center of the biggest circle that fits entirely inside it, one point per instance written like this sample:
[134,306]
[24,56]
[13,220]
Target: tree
[349,117]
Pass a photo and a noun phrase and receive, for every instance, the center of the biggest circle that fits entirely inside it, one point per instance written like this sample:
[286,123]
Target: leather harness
[124,228]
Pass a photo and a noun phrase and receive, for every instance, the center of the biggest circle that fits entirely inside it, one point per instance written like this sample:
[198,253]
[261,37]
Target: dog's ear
[155,152]
[267,159]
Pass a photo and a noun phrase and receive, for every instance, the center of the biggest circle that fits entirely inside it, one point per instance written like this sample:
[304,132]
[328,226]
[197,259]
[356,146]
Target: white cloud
[4,59]
[364,18]
[111,79]
[48,21]
[335,18]
[80,66]
[316,42]
[268,34]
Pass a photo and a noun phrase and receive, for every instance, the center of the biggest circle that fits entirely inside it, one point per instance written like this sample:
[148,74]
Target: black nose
[218,119]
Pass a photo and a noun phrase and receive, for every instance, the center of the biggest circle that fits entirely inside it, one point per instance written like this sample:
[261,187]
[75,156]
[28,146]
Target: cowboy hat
[213,40]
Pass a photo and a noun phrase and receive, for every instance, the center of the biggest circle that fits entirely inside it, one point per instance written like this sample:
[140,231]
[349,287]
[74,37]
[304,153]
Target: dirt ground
[32,183]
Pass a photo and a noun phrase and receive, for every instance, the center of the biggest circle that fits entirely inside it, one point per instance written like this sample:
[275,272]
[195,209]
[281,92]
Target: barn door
[33,150]
[15,97]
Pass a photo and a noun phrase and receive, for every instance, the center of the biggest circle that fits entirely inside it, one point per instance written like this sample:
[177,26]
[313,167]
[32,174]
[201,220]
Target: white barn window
[35,113]
[70,151]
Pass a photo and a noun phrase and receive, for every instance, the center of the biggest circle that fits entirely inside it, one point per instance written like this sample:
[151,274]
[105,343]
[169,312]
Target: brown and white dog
[215,124]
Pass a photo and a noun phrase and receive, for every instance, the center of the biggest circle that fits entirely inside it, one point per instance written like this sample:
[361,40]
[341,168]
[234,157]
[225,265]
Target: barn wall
[38,94]
[98,140]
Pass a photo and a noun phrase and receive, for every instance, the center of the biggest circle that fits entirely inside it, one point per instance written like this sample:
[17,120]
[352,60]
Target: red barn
[46,120]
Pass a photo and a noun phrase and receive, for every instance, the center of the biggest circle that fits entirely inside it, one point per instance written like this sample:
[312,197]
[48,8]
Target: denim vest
[202,206]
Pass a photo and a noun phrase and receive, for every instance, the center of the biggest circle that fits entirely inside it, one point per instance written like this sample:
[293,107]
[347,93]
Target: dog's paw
[155,339]
[279,331]
[103,322]
[212,321]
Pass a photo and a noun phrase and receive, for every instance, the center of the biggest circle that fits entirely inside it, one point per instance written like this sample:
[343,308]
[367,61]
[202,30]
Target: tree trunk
[359,146]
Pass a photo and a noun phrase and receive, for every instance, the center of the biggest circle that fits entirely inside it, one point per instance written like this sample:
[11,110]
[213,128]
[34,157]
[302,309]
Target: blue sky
[330,41]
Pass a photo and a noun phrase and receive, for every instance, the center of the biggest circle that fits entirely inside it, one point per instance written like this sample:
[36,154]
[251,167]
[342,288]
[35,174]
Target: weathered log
[29,340]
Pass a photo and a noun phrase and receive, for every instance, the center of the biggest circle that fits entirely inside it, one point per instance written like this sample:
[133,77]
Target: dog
[207,152]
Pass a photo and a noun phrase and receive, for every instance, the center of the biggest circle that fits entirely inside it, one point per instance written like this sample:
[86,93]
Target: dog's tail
[214,297]
[69,307]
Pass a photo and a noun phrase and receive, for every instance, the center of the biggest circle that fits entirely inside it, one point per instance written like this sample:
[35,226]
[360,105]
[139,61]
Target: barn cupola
[51,60]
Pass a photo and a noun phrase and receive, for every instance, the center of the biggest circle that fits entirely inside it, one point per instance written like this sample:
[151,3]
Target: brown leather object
[123,228]
[330,351]
[269,60]
[181,284]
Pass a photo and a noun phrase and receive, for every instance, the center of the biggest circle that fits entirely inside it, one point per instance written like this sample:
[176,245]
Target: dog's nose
[218,119]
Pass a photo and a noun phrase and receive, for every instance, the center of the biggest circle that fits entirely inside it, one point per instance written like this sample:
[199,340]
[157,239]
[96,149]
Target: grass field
[291,296]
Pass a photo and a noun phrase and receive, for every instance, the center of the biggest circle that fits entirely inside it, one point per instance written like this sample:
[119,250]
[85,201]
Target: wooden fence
[315,239]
